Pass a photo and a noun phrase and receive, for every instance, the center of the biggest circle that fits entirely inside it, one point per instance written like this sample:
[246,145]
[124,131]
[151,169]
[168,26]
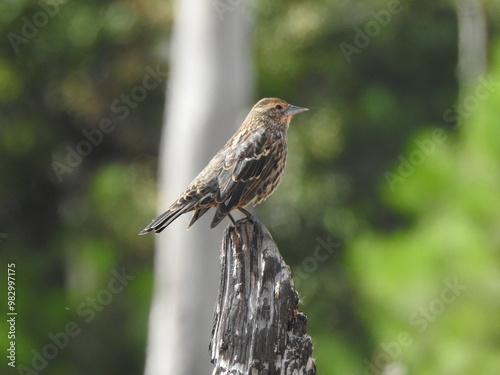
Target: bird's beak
[293,110]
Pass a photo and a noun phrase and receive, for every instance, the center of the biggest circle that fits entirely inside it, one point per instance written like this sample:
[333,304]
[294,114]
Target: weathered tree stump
[257,327]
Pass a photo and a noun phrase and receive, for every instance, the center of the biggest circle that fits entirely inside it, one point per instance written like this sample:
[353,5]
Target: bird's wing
[245,167]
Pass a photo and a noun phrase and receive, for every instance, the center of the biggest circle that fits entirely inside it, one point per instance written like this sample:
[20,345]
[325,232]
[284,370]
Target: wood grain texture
[257,327]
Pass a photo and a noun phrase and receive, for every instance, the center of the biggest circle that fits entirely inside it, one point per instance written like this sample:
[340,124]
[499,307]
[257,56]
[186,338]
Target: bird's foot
[248,215]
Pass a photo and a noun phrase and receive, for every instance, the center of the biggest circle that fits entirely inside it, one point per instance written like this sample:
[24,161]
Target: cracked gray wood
[258,328]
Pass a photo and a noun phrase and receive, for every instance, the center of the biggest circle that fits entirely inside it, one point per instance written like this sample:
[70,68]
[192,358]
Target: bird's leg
[232,219]
[248,214]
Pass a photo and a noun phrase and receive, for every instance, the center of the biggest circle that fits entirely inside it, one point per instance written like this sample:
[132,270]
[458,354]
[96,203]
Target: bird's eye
[278,106]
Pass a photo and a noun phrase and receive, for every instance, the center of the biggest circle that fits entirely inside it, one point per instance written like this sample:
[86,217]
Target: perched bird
[245,171]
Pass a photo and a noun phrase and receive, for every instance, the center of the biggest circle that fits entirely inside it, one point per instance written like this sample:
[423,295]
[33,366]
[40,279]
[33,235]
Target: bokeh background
[389,214]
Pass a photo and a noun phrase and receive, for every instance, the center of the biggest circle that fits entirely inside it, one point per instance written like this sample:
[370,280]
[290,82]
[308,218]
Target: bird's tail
[164,220]
[218,217]
[221,212]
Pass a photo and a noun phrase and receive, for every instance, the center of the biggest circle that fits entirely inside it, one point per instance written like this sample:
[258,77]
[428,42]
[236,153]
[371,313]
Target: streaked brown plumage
[245,171]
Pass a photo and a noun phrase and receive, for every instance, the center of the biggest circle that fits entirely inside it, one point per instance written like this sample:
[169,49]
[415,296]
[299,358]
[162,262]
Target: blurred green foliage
[411,276]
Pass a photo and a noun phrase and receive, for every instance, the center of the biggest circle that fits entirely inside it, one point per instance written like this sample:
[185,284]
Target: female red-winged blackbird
[245,171]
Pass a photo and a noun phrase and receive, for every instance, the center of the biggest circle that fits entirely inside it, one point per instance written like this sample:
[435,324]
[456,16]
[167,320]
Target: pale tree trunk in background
[208,94]
[472,41]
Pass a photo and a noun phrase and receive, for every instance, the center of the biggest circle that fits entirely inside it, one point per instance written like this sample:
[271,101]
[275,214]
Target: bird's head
[276,110]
